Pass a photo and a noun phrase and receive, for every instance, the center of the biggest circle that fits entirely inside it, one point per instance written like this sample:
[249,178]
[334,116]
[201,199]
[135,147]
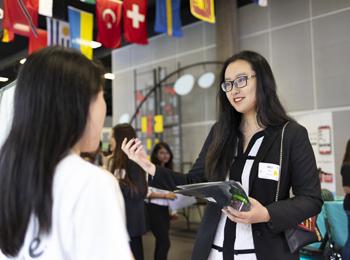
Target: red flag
[135,28]
[20,17]
[109,14]
[37,43]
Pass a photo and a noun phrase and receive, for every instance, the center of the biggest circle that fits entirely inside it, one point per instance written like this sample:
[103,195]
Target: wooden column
[227,35]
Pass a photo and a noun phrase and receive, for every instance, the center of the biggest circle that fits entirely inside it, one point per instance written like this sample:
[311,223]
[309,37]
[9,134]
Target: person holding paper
[244,145]
[54,204]
[157,203]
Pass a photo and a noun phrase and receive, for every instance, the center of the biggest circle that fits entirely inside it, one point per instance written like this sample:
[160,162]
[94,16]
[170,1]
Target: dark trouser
[136,247]
[159,222]
[346,248]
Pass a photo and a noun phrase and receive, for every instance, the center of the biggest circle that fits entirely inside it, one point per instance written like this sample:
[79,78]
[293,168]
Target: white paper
[181,201]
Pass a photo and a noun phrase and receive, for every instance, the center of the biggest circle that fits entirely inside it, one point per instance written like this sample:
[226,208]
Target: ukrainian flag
[81,30]
[168,18]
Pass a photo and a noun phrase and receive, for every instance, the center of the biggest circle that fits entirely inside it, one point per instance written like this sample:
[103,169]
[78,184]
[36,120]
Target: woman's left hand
[257,214]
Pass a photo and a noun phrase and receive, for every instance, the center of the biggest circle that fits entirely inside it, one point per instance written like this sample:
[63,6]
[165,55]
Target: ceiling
[11,53]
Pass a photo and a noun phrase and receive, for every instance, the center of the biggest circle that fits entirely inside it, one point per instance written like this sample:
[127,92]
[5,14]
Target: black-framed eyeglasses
[239,82]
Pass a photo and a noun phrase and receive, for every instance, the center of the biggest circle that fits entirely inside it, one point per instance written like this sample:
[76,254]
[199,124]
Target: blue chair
[315,251]
[337,222]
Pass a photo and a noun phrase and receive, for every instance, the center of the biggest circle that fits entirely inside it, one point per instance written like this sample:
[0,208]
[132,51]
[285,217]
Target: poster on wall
[320,129]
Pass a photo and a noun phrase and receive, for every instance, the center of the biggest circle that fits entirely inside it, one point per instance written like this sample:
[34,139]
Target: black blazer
[298,172]
[134,201]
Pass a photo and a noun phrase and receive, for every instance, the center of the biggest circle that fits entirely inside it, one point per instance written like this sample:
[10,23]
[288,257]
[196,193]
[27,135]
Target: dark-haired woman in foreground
[54,205]
[244,145]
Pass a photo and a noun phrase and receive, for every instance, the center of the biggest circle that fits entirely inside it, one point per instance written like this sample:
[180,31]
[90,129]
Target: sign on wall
[320,129]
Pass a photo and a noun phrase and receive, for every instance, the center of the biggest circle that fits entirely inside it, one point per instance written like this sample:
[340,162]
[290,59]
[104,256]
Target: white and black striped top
[240,171]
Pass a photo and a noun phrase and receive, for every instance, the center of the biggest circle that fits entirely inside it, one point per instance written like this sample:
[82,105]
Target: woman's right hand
[170,196]
[136,152]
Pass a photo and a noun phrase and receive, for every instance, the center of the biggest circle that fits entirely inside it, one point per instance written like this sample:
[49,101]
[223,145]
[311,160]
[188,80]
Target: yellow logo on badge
[275,173]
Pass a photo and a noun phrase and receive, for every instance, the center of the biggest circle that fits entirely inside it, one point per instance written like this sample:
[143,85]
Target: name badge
[269,171]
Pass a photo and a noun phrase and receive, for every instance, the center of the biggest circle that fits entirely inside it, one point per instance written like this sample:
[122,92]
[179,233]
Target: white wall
[307,43]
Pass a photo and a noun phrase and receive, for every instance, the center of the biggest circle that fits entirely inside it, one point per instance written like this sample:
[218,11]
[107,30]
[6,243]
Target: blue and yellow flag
[81,30]
[168,18]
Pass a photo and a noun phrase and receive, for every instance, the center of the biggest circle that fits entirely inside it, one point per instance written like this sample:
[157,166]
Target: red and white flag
[135,27]
[109,16]
[37,42]
[20,17]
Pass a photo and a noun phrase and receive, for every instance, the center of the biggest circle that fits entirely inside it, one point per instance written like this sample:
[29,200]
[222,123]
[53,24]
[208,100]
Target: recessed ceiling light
[109,76]
[3,79]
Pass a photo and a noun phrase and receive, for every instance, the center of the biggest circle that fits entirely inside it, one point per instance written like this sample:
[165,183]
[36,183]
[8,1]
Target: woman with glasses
[244,145]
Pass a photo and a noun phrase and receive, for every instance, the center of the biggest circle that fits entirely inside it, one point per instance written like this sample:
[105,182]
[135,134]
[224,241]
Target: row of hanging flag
[21,17]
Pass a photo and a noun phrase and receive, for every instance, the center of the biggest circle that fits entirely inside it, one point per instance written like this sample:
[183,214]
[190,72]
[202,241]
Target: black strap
[236,252]
[229,239]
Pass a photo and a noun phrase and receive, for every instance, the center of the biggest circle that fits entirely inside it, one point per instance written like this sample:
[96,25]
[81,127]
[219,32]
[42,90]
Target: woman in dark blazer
[345,172]
[132,180]
[244,145]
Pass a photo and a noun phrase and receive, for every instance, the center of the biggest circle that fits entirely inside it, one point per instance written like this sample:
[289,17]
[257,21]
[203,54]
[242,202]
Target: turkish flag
[135,28]
[37,42]
[20,17]
[109,15]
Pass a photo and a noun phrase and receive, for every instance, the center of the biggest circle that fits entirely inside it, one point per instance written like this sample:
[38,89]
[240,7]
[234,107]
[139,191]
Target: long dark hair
[119,159]
[51,105]
[346,159]
[270,113]
[154,154]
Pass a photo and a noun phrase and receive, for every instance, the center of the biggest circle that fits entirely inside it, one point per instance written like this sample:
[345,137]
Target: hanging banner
[149,144]
[58,32]
[109,17]
[45,7]
[135,27]
[81,30]
[37,42]
[168,17]
[203,10]
[144,124]
[1,17]
[158,124]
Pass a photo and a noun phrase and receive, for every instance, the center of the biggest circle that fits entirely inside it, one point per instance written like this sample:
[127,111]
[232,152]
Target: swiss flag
[20,17]
[135,28]
[37,42]
[109,14]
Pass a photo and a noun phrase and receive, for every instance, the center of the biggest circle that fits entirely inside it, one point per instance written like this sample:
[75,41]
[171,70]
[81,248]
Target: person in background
[345,172]
[163,156]
[95,157]
[157,203]
[132,180]
[244,145]
[6,110]
[55,205]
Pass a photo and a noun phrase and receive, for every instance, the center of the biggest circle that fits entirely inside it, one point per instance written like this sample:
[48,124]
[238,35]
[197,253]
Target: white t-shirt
[88,217]
[6,110]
